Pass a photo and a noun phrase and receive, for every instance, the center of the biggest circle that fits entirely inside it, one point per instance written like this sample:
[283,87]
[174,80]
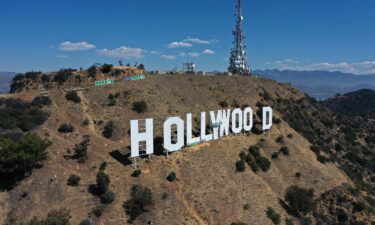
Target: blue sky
[295,34]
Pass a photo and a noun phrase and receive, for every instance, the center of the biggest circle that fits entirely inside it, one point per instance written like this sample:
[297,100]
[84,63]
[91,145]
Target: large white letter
[237,128]
[216,122]
[267,118]
[204,137]
[189,131]
[224,128]
[136,137]
[247,119]
[168,134]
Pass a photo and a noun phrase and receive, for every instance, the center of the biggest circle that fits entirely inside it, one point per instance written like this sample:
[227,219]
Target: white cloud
[179,44]
[123,52]
[62,56]
[78,46]
[199,41]
[182,54]
[193,54]
[154,52]
[169,57]
[208,52]
[364,67]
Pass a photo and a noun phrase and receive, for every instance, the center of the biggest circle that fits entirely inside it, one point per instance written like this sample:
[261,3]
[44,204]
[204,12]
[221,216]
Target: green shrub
[46,78]
[172,177]
[112,102]
[108,129]
[254,150]
[280,139]
[80,150]
[254,167]
[141,198]
[86,122]
[290,136]
[73,96]
[108,197]
[92,70]
[102,182]
[224,103]
[273,215]
[240,166]
[275,155]
[102,166]
[62,76]
[15,113]
[106,68]
[263,163]
[137,173]
[86,221]
[322,159]
[19,157]
[300,199]
[98,210]
[276,120]
[73,180]
[66,128]
[284,150]
[238,223]
[140,106]
[289,221]
[40,101]
[54,217]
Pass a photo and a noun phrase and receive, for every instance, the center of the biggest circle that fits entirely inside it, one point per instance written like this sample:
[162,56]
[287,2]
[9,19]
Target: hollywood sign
[241,120]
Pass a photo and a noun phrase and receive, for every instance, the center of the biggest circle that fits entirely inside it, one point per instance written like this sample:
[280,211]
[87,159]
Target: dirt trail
[191,210]
[86,109]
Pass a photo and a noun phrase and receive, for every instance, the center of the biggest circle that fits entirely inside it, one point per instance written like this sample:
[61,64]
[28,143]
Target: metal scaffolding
[238,59]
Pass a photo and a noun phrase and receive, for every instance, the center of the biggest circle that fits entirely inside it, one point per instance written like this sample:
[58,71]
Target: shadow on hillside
[124,159]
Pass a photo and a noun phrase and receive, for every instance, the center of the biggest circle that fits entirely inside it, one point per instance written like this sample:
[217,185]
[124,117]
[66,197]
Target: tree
[102,182]
[108,129]
[106,68]
[54,217]
[73,180]
[240,166]
[108,197]
[141,66]
[73,96]
[40,101]
[19,157]
[15,113]
[140,106]
[140,199]
[137,173]
[66,128]
[273,215]
[172,177]
[80,150]
[224,103]
[62,76]
[284,150]
[263,163]
[300,199]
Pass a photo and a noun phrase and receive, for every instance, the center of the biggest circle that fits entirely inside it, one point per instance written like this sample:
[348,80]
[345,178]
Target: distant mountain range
[5,80]
[321,84]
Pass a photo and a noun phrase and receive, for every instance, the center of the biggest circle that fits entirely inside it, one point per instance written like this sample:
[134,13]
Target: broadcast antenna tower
[238,59]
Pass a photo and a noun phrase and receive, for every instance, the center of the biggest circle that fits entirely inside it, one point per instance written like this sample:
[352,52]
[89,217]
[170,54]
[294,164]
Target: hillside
[357,103]
[208,190]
